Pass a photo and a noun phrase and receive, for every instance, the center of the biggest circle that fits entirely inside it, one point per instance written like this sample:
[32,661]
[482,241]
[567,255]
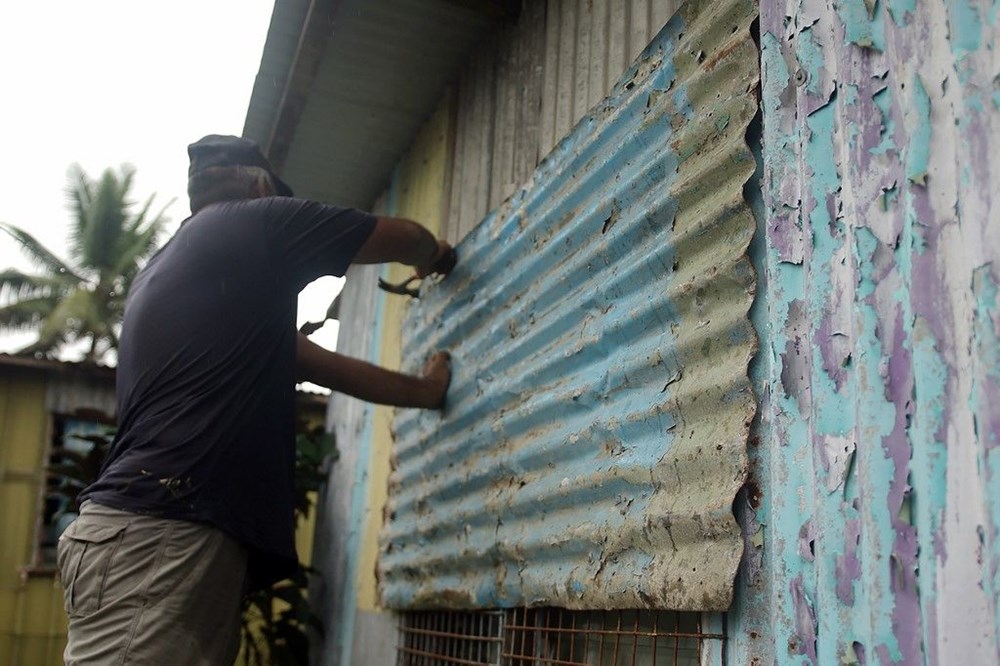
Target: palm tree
[82,299]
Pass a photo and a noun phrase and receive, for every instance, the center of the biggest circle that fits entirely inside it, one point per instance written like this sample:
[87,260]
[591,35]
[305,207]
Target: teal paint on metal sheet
[596,426]
[877,501]
[900,9]
[919,154]
[862,25]
[966,25]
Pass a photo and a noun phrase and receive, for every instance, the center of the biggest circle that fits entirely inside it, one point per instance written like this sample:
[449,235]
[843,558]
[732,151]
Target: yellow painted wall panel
[306,530]
[39,631]
[8,606]
[304,534]
[420,194]
[5,450]
[38,651]
[40,606]
[20,502]
[23,424]
[32,621]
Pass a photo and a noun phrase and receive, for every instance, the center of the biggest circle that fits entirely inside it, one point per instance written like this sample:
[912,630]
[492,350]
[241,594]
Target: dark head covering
[217,150]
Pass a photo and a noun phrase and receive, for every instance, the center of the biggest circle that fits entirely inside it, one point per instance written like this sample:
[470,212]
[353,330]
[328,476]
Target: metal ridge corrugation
[595,435]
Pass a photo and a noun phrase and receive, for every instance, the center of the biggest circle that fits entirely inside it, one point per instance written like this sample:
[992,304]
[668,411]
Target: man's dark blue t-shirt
[206,371]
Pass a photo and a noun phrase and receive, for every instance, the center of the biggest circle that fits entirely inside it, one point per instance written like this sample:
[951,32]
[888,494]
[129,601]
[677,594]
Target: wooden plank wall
[529,84]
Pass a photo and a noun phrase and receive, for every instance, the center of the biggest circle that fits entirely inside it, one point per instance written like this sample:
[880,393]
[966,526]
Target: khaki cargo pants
[146,590]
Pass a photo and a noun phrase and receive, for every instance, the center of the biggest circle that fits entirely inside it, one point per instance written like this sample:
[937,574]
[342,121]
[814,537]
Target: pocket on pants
[86,553]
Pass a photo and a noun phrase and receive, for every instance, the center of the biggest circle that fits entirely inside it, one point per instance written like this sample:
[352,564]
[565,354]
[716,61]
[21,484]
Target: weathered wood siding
[526,88]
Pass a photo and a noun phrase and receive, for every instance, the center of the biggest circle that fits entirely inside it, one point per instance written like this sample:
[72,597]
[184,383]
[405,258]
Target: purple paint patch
[807,541]
[977,152]
[773,22]
[834,346]
[929,293]
[870,172]
[906,616]
[795,359]
[988,415]
[848,565]
[805,619]
[859,653]
[940,546]
[813,103]
[786,237]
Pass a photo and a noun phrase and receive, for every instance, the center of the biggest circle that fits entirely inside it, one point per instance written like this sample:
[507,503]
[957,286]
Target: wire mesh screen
[447,637]
[542,636]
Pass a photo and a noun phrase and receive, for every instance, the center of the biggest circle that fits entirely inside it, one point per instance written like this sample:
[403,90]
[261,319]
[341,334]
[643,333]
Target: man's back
[195,500]
[206,371]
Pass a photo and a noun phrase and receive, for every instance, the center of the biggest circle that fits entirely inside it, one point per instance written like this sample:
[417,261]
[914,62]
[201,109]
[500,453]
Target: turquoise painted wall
[873,513]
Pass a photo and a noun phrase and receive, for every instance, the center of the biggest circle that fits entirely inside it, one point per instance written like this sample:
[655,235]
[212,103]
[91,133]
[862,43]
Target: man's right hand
[403,241]
[372,383]
[437,377]
[441,263]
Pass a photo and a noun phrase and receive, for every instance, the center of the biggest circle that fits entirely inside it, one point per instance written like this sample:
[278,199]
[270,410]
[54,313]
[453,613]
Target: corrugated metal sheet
[878,488]
[595,434]
[530,84]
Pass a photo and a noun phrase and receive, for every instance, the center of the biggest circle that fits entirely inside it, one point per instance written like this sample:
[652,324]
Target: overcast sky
[104,82]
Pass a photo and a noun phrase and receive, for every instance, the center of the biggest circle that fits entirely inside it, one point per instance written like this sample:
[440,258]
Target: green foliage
[276,623]
[74,471]
[83,298]
[315,450]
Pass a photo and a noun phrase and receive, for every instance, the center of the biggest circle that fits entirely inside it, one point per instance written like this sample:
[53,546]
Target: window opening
[79,444]
[543,636]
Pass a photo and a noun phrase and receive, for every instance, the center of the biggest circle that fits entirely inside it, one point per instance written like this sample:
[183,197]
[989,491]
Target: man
[194,504]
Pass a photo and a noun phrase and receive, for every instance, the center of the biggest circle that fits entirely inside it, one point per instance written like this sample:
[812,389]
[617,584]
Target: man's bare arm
[370,382]
[403,241]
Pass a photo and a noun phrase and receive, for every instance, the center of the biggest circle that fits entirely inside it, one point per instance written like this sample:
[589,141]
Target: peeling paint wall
[874,513]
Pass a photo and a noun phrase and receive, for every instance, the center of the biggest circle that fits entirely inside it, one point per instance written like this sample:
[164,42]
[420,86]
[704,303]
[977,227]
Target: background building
[596,162]
[47,409]
[44,407]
